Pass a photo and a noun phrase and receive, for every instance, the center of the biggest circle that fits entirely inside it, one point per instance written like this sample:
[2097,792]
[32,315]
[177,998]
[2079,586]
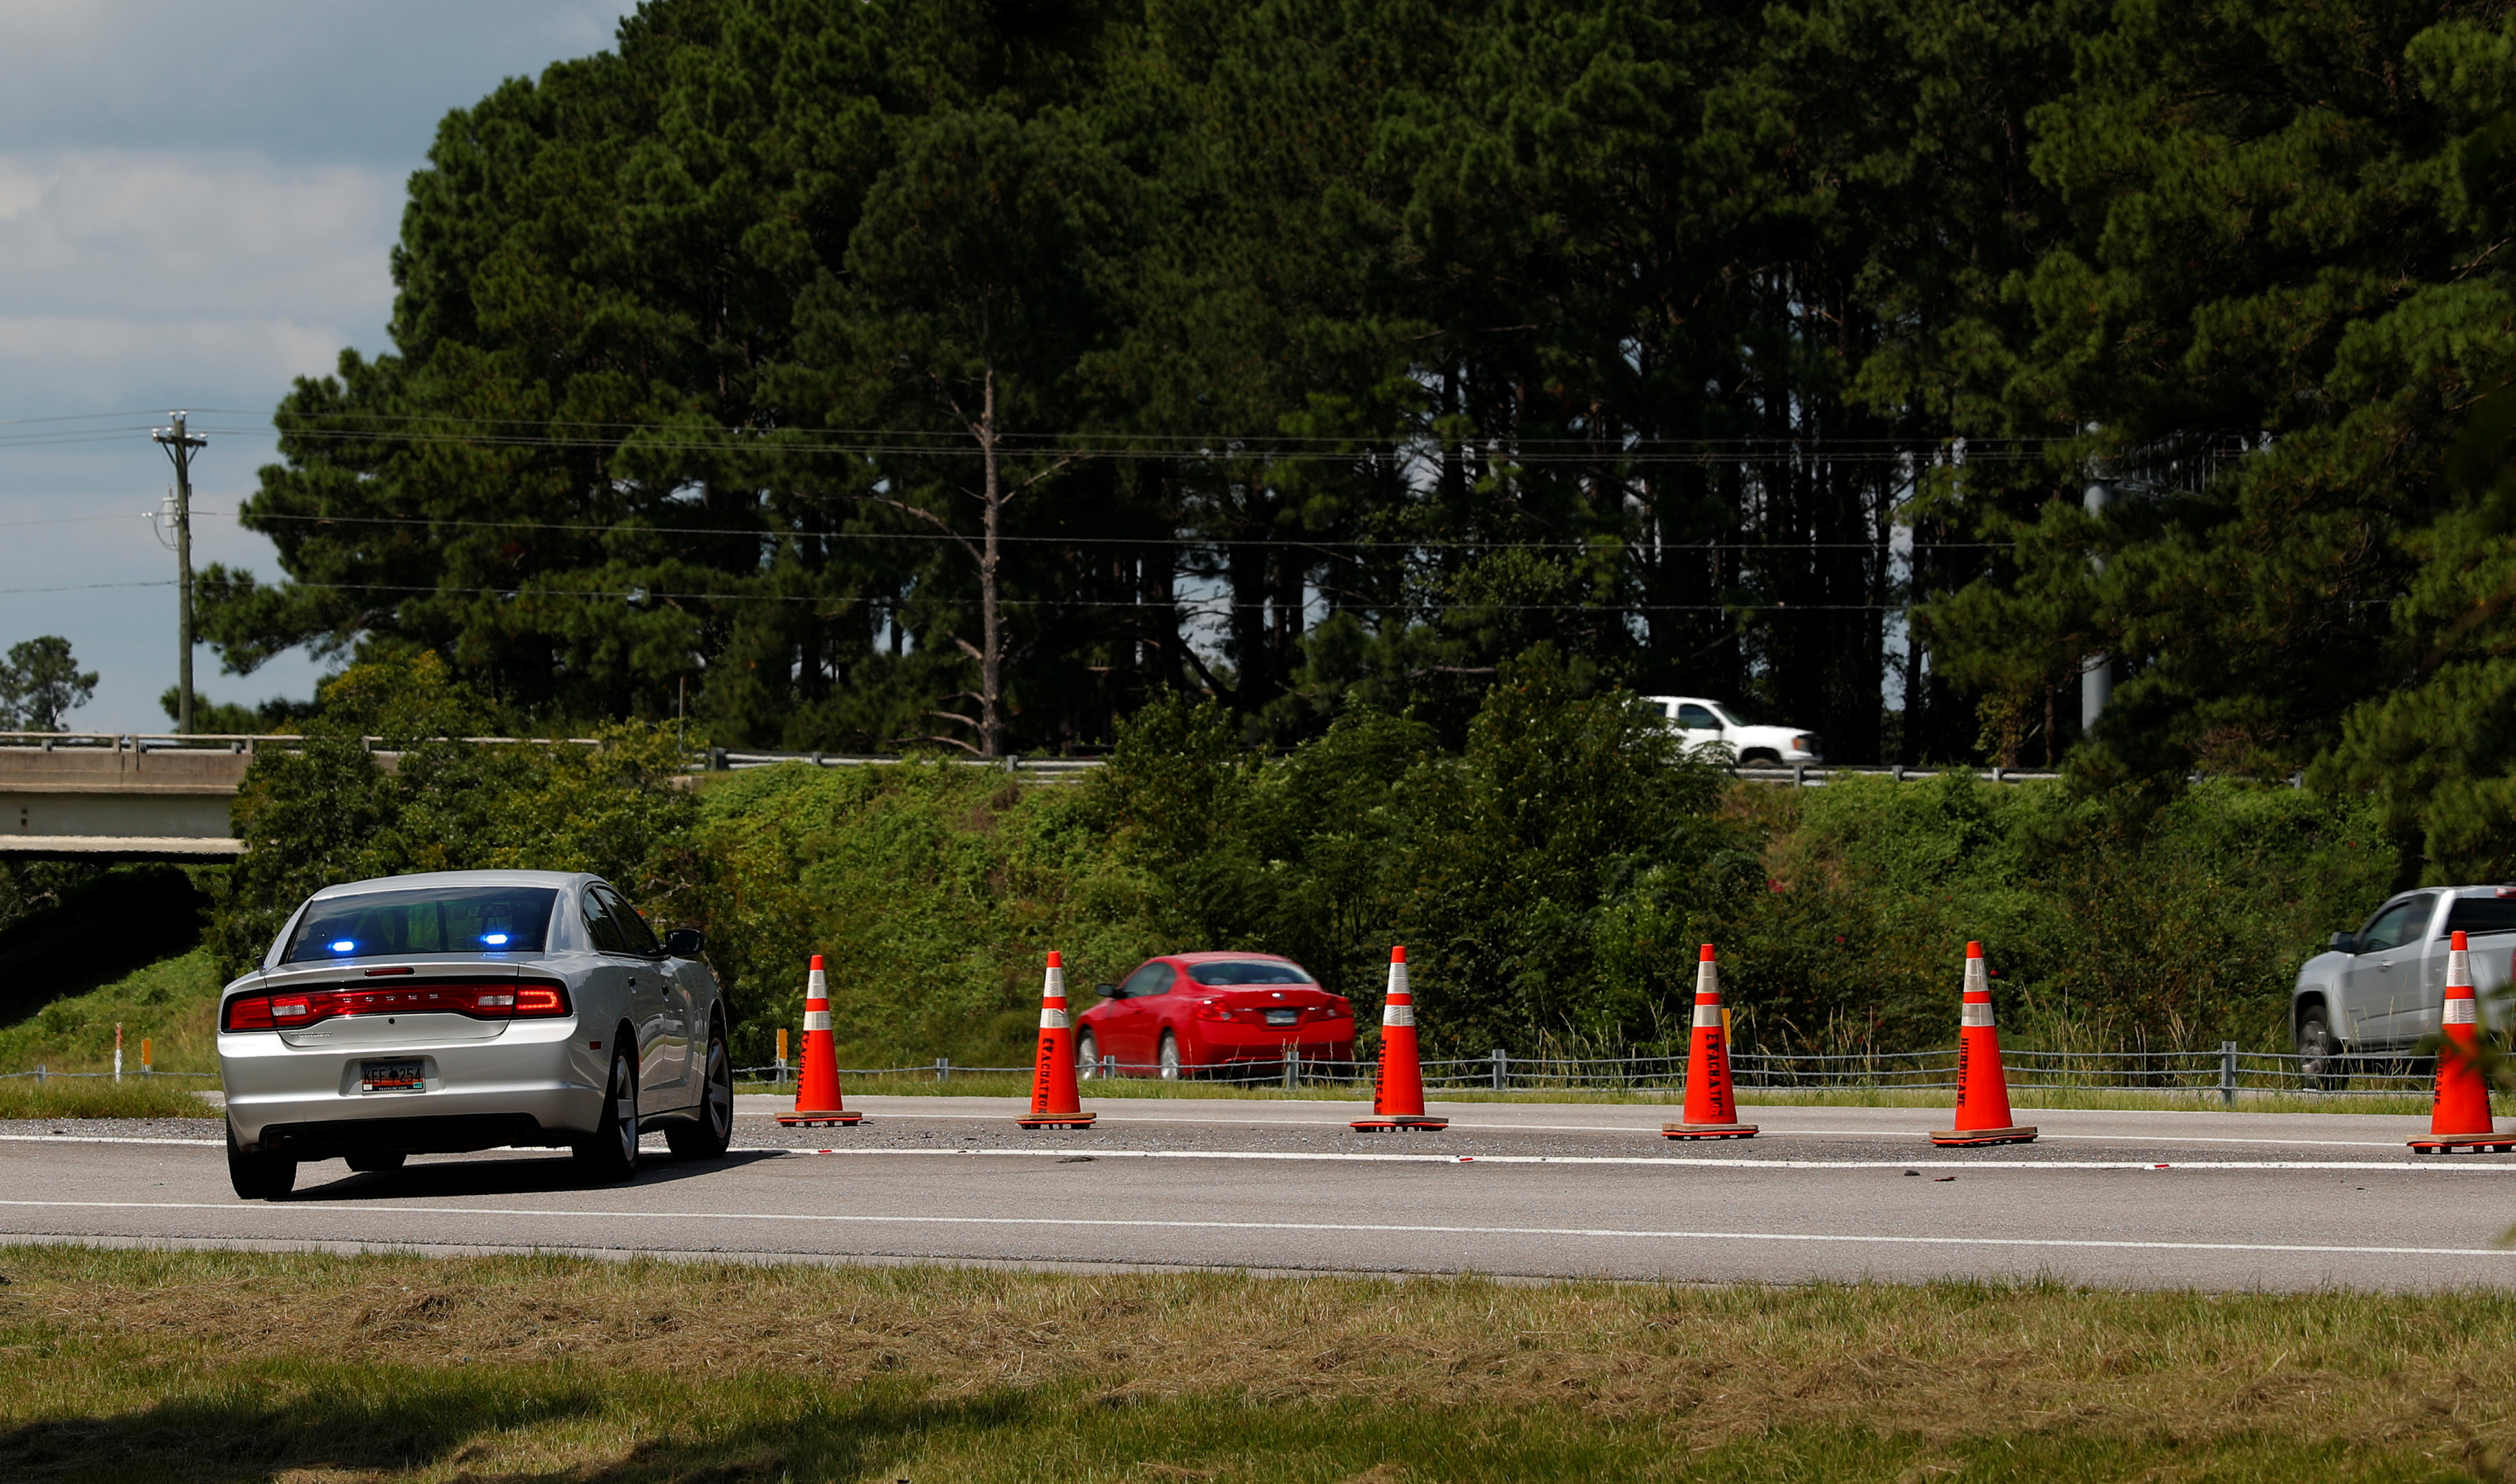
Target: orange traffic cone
[1983,1089]
[1711,1106]
[816,1094]
[2460,1118]
[1397,1088]
[1054,1101]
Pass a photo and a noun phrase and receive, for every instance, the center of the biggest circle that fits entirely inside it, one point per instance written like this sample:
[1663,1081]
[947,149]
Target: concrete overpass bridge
[88,796]
[102,796]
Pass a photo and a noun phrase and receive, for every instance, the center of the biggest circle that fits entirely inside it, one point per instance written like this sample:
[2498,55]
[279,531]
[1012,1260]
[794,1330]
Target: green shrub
[1549,879]
[935,892]
[331,812]
[2105,919]
[172,1003]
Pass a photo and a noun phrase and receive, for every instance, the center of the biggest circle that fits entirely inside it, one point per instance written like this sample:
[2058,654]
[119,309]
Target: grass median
[209,1365]
[103,1098]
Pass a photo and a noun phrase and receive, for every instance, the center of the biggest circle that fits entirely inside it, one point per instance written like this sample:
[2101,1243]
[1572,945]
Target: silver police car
[471,1009]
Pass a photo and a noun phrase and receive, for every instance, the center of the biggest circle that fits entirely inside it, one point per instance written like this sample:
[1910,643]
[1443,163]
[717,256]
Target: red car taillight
[479,1002]
[1209,1010]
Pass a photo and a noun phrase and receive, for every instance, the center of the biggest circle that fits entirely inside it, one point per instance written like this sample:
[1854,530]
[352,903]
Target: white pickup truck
[2382,989]
[1706,723]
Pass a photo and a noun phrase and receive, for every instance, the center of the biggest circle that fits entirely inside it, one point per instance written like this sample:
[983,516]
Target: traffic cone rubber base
[1411,1123]
[1967,1138]
[842,1116]
[1707,1130]
[1056,1120]
[2447,1143]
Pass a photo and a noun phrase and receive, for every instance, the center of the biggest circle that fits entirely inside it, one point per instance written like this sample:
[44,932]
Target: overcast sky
[198,203]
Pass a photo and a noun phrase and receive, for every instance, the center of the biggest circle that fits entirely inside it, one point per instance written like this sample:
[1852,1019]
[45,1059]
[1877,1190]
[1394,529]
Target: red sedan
[1186,1012]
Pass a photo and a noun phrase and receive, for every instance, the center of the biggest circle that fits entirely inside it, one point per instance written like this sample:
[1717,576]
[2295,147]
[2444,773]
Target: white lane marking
[1611,1232]
[2433,1161]
[2338,1143]
[104,1140]
[1340,1121]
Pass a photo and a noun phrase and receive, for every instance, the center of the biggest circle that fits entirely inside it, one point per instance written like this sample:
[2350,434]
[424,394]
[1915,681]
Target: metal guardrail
[2227,1072]
[728,758]
[1815,774]
[220,741]
[721,759]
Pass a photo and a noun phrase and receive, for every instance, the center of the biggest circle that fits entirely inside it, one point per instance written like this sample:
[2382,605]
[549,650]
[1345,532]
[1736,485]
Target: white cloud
[158,233]
[198,203]
[68,356]
[306,79]
[19,190]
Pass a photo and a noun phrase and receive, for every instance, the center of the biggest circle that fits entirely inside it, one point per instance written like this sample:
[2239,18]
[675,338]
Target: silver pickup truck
[2382,988]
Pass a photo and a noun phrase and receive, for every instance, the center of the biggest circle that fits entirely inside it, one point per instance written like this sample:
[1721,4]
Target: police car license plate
[393,1077]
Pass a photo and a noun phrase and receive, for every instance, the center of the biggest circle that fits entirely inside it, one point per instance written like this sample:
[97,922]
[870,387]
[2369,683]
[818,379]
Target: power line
[643,594]
[774,533]
[1212,446]
[87,587]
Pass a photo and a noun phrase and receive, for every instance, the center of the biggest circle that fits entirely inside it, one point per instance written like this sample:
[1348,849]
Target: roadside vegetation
[213,1367]
[134,1097]
[1551,876]
[172,1003]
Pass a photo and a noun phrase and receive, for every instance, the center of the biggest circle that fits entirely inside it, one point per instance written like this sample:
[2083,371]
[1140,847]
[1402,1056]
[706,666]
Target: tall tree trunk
[992,636]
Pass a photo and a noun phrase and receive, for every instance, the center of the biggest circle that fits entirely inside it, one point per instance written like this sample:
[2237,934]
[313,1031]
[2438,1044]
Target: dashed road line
[1610,1234]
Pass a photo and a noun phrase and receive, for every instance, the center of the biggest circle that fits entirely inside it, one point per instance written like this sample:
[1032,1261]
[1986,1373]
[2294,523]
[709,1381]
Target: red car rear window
[1232,972]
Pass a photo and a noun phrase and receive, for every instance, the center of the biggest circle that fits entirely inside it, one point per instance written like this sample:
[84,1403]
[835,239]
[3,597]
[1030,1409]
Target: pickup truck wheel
[1758,757]
[2322,1064]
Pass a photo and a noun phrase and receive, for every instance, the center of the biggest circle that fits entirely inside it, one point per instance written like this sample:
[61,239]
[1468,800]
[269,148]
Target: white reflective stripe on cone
[2458,967]
[1052,1020]
[1398,1015]
[816,984]
[1707,977]
[1397,978]
[1976,1014]
[1975,980]
[817,1019]
[2463,1012]
[1707,1014]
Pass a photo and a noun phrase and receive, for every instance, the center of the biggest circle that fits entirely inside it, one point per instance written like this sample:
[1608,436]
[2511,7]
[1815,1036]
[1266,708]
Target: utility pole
[178,445]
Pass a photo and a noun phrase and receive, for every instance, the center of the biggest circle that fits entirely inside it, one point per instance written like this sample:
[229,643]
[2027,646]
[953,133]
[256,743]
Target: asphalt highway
[2200,1200]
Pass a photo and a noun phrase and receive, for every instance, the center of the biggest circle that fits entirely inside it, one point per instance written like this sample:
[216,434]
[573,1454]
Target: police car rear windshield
[2482,913]
[424,920]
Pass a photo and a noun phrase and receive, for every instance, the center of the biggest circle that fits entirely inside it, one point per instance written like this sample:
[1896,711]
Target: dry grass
[510,1368]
